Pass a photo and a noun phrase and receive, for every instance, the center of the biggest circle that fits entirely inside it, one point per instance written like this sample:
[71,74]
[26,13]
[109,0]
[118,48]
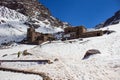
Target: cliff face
[34,9]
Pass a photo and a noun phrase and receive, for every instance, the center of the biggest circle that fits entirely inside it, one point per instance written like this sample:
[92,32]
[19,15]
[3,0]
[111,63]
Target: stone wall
[75,32]
[36,37]
[91,34]
[78,29]
[80,32]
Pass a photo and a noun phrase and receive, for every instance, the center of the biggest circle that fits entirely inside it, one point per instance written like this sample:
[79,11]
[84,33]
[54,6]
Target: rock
[91,52]
[4,55]
[26,53]
[56,59]
[115,19]
[108,32]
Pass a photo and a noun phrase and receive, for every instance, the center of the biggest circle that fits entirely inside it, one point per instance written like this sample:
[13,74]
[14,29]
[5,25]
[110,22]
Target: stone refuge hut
[36,37]
[80,32]
[73,32]
[69,33]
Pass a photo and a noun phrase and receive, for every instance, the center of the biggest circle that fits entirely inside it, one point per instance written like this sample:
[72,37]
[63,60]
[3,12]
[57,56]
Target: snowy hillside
[43,26]
[9,14]
[34,9]
[19,76]
[13,27]
[69,64]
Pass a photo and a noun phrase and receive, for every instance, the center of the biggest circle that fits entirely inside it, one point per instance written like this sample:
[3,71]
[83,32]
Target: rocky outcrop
[110,21]
[32,8]
[113,20]
[91,52]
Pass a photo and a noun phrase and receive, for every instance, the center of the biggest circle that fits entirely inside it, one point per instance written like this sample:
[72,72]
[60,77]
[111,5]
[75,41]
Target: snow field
[18,76]
[70,66]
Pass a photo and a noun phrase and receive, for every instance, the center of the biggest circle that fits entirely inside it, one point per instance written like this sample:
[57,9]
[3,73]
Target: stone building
[74,32]
[69,33]
[80,32]
[36,37]
[77,30]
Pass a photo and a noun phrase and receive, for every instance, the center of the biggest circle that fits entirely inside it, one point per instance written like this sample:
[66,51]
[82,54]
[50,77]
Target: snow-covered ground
[18,76]
[70,66]
[13,50]
[12,26]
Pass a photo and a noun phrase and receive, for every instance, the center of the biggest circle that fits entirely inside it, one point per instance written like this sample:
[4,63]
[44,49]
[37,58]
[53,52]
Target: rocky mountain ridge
[115,19]
[33,9]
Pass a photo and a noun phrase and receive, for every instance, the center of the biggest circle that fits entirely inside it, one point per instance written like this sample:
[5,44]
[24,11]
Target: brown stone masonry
[80,32]
[91,34]
[36,37]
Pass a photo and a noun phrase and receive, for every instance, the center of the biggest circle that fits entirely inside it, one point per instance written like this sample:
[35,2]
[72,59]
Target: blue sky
[82,12]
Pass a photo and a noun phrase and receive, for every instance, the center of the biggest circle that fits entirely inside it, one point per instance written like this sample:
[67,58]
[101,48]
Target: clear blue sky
[82,12]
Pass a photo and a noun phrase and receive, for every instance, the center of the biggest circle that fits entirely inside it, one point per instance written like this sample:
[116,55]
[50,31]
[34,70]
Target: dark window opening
[98,34]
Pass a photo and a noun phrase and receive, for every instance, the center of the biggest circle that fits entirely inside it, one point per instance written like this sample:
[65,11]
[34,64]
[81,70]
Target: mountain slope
[115,19]
[33,9]
[13,25]
[11,14]
[17,15]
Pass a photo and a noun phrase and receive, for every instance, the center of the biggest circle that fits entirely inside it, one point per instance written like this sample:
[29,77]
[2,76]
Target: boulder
[91,52]
[56,59]
[26,53]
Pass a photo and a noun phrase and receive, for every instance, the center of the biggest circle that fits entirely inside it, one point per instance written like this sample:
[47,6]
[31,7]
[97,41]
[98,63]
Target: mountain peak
[115,19]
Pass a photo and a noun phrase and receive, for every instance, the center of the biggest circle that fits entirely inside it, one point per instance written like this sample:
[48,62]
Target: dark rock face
[112,20]
[32,8]
[91,52]
[24,6]
[99,26]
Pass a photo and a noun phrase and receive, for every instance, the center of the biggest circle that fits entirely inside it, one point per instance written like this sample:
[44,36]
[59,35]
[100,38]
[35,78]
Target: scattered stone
[4,55]
[44,62]
[2,21]
[116,66]
[26,53]
[80,39]
[108,32]
[91,52]
[49,62]
[56,59]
